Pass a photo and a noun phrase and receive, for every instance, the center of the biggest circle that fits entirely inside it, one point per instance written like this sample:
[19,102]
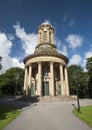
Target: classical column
[62,79]
[66,81]
[25,82]
[30,76]
[52,79]
[39,87]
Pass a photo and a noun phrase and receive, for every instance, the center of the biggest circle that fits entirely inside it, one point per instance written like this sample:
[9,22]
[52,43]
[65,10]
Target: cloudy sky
[19,20]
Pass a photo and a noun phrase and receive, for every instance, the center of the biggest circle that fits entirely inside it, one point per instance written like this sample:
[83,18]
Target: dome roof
[46,53]
[46,23]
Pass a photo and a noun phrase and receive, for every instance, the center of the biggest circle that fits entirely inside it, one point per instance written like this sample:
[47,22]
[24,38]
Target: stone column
[52,79]
[62,79]
[25,82]
[39,86]
[66,82]
[30,76]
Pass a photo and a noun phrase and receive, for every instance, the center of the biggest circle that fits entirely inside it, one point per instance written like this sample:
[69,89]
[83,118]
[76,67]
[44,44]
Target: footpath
[47,115]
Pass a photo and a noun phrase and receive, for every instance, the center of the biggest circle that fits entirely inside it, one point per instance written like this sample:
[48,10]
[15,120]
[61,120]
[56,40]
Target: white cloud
[63,51]
[5,45]
[57,42]
[71,22]
[76,59]
[74,40]
[65,16]
[47,21]
[60,47]
[87,55]
[5,51]
[28,41]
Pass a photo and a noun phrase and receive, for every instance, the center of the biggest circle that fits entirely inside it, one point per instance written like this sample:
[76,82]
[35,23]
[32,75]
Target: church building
[46,69]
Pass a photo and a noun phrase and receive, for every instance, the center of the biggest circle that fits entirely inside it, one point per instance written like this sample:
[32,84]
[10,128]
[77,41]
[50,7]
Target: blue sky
[19,20]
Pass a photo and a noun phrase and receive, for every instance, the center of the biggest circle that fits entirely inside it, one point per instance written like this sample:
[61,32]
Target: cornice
[46,53]
[45,43]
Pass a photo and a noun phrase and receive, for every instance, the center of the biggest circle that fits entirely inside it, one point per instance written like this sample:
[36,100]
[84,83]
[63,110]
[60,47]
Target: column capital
[26,66]
[51,62]
[30,64]
[61,64]
[39,62]
[65,66]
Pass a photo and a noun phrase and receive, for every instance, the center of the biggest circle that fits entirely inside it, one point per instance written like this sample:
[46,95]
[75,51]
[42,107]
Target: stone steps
[46,99]
[57,98]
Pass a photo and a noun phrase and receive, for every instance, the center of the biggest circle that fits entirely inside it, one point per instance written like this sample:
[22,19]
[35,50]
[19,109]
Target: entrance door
[32,90]
[46,88]
[59,89]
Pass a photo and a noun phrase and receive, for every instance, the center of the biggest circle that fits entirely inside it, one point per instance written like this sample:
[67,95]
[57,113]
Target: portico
[46,70]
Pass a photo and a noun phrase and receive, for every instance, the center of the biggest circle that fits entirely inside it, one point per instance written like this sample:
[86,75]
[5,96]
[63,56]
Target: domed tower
[46,69]
[45,38]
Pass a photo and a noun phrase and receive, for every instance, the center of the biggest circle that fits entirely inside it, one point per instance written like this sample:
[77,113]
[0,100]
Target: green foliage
[85,115]
[0,63]
[89,68]
[8,81]
[77,79]
[7,115]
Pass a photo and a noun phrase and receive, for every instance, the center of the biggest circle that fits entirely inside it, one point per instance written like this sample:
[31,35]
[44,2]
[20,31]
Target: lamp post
[87,79]
[55,86]
[16,77]
[77,93]
[78,97]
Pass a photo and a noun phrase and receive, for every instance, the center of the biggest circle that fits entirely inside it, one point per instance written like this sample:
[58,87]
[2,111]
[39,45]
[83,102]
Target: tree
[8,81]
[0,63]
[89,68]
[77,78]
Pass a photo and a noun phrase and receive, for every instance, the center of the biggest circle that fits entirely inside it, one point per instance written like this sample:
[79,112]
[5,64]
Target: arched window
[45,36]
[45,73]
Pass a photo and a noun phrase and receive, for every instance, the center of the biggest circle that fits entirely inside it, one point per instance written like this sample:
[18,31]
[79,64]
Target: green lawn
[7,115]
[85,115]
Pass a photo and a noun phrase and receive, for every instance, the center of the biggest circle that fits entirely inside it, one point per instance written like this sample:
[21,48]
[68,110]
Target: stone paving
[49,116]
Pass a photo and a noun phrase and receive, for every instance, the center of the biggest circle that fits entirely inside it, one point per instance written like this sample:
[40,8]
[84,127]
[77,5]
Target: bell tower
[45,38]
[45,34]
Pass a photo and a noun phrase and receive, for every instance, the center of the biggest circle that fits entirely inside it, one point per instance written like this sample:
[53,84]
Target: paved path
[49,116]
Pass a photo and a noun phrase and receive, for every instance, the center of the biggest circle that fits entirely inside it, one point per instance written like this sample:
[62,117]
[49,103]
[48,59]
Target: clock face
[45,45]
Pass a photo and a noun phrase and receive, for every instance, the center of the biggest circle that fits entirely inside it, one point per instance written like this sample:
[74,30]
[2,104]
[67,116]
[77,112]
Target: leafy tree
[89,68]
[8,81]
[0,63]
[77,80]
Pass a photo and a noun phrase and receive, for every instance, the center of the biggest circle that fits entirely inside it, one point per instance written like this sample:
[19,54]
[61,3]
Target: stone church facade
[46,69]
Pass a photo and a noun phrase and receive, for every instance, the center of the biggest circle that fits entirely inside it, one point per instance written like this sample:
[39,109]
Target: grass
[7,115]
[85,115]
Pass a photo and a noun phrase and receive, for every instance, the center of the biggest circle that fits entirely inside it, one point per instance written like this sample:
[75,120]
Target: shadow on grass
[20,102]
[29,99]
[76,108]
[9,106]
[4,110]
